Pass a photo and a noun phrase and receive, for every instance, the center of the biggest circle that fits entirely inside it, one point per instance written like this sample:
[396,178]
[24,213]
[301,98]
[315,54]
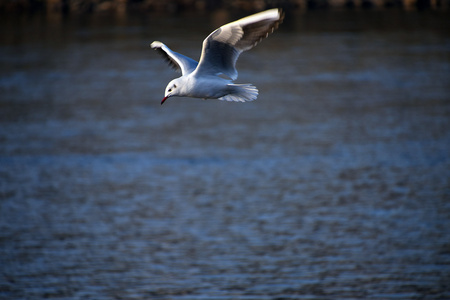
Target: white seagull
[220,51]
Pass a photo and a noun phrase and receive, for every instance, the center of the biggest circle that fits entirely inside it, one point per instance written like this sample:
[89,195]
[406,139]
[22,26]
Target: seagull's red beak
[164,99]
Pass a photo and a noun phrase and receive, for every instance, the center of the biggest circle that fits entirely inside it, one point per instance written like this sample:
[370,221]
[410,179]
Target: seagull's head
[172,89]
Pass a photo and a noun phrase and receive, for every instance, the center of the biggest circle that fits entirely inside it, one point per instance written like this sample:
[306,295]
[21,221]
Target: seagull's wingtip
[156,44]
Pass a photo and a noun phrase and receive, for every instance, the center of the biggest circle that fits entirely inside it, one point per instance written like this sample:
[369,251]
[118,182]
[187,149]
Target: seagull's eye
[172,88]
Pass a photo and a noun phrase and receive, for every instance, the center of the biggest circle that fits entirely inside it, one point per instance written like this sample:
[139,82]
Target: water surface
[333,184]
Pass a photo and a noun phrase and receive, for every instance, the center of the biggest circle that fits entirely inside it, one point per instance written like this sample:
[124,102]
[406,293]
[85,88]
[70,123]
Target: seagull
[213,76]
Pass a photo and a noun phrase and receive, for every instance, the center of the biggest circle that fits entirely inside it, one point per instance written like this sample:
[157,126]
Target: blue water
[334,184]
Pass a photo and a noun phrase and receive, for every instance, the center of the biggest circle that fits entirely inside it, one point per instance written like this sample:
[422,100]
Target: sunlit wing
[223,46]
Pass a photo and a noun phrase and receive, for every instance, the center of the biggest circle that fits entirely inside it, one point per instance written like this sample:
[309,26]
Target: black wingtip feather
[261,30]
[173,64]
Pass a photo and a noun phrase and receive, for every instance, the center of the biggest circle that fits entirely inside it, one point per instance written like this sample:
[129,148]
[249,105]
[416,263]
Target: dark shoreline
[177,6]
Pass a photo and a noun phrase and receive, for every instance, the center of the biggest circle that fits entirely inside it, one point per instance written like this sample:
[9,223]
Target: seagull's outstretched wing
[223,46]
[176,60]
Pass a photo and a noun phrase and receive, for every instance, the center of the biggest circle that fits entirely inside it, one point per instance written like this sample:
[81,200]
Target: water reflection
[333,184]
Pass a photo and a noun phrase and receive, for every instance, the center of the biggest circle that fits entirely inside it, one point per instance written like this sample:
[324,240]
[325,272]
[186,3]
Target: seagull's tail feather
[241,93]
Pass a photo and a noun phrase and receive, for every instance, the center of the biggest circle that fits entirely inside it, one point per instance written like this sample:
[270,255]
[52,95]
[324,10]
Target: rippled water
[334,184]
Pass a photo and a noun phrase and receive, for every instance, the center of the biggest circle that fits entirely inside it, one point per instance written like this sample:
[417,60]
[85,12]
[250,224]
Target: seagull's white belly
[207,87]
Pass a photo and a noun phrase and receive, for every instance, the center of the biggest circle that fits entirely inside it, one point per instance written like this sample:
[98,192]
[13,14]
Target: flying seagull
[220,51]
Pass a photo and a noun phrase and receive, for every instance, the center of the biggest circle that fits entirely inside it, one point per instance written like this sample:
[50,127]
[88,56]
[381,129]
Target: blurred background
[333,184]
[174,6]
